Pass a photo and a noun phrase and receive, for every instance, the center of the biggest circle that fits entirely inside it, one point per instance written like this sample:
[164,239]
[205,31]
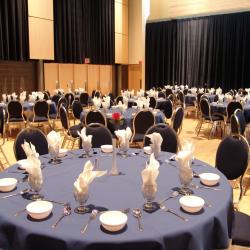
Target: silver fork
[165,209]
[91,217]
[66,212]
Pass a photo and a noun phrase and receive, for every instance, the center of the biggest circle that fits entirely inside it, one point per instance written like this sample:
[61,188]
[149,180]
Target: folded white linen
[156,141]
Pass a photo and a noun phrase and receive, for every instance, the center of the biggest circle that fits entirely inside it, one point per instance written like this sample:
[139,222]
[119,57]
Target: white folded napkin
[184,158]
[156,141]
[140,103]
[146,102]
[33,167]
[151,172]
[29,149]
[218,91]
[54,141]
[85,178]
[121,106]
[86,139]
[124,136]
[106,101]
[97,102]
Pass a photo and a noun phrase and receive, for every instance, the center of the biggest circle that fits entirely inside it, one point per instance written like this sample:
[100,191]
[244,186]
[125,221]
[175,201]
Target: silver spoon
[91,217]
[20,193]
[19,212]
[173,195]
[66,212]
[138,214]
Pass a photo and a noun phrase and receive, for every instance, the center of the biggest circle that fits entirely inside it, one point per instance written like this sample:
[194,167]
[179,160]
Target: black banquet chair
[70,133]
[142,121]
[241,230]
[84,99]
[33,135]
[76,110]
[167,108]
[177,119]
[101,135]
[95,116]
[170,142]
[152,102]
[232,158]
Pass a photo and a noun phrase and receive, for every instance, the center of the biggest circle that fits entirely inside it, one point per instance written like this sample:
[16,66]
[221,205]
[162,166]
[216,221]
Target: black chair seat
[16,119]
[138,137]
[52,116]
[213,118]
[73,130]
[241,229]
[38,119]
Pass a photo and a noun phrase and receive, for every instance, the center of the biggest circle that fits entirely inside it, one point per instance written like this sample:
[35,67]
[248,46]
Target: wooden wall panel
[41,38]
[134,76]
[93,77]
[106,79]
[41,8]
[168,9]
[81,75]
[121,48]
[51,75]
[66,74]
[17,76]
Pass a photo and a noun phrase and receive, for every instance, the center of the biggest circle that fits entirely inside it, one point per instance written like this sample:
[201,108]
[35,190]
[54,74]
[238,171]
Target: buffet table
[208,229]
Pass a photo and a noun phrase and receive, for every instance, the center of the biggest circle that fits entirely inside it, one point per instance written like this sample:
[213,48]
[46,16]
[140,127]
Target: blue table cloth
[128,116]
[205,230]
[222,109]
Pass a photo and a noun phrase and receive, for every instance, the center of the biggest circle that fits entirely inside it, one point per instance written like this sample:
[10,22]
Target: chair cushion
[16,119]
[73,130]
[241,229]
[52,116]
[138,137]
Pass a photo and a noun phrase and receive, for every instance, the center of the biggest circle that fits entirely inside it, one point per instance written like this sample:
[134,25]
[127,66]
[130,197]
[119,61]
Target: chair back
[143,120]
[168,108]
[118,99]
[241,119]
[33,135]
[70,98]
[95,116]
[168,92]
[171,97]
[232,156]
[64,117]
[178,119]
[231,107]
[14,109]
[185,91]
[101,135]
[41,109]
[216,98]
[181,97]
[170,142]
[77,109]
[152,102]
[55,98]
[2,121]
[84,99]
[161,95]
[235,125]
[62,102]
[205,108]
[45,95]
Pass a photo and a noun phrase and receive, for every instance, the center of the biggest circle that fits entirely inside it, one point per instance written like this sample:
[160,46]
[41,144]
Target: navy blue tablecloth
[206,230]
[128,116]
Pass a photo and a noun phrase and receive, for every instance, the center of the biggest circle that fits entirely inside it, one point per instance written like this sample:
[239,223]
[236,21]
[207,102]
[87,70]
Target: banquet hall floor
[205,150]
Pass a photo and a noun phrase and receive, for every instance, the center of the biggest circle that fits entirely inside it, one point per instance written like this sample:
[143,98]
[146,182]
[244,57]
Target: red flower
[116,116]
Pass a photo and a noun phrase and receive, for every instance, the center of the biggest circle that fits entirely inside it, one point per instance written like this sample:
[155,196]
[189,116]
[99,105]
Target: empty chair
[70,133]
[2,133]
[33,135]
[170,141]
[76,110]
[142,121]
[40,113]
[206,116]
[181,98]
[238,122]
[101,135]
[70,98]
[152,102]
[112,98]
[84,99]
[178,119]
[241,230]
[95,116]
[15,114]
[167,108]
[231,107]
[232,158]
[46,95]
[55,99]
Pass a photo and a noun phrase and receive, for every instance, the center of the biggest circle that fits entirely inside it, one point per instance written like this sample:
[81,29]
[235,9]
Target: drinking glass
[82,198]
[149,193]
[185,176]
[36,186]
[54,152]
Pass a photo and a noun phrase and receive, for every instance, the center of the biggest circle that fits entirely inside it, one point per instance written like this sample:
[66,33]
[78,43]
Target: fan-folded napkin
[156,141]
[29,149]
[54,140]
[124,136]
[86,139]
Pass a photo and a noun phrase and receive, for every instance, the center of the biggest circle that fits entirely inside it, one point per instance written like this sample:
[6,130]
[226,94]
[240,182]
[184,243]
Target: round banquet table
[222,109]
[128,116]
[208,229]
